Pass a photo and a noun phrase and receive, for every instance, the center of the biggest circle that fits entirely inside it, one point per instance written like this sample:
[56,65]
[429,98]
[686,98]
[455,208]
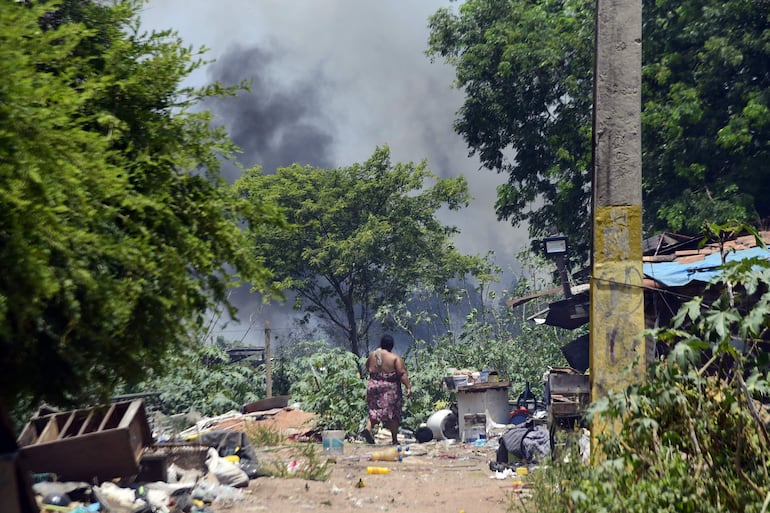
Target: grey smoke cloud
[275,124]
[331,80]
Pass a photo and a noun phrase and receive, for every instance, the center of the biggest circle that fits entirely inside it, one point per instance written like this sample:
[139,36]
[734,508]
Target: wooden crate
[98,443]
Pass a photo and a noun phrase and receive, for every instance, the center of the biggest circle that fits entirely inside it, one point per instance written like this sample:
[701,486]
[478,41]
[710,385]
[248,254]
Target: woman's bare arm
[401,370]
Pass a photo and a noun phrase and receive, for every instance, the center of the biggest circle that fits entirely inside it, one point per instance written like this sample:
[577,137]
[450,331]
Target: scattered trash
[226,472]
[57,499]
[528,441]
[423,434]
[377,470]
[389,454]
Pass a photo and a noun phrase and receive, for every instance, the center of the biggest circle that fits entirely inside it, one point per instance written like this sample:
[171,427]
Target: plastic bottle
[391,454]
[377,470]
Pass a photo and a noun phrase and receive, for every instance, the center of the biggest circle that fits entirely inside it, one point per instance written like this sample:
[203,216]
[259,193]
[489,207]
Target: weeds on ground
[264,436]
[305,462]
[296,460]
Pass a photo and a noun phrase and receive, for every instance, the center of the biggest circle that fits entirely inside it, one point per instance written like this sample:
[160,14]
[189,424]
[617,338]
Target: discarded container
[490,399]
[377,470]
[333,441]
[443,424]
[522,471]
[460,380]
[390,454]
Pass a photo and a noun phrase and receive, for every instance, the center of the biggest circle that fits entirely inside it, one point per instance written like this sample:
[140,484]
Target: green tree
[116,231]
[706,112]
[526,70]
[364,236]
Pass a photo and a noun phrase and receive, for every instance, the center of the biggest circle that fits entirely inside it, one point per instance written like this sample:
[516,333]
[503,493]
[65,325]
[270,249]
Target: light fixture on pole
[556,247]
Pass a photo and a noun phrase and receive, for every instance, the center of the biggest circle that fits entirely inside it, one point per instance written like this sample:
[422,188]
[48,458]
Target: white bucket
[461,380]
[333,441]
[443,424]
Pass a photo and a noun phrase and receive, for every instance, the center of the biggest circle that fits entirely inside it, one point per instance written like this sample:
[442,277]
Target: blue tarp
[674,274]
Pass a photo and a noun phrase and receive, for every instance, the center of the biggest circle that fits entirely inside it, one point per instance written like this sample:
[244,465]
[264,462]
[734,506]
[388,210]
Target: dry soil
[440,476]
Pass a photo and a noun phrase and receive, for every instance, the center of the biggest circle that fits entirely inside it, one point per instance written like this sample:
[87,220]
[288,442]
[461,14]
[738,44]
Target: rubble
[108,459]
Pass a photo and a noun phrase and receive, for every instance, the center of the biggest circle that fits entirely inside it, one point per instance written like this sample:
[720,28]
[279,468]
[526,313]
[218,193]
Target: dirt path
[440,477]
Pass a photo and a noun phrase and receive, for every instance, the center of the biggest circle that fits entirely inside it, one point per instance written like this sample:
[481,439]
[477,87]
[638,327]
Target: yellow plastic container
[522,471]
[377,470]
[390,454]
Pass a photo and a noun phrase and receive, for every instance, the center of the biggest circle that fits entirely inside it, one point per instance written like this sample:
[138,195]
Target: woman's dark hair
[386,342]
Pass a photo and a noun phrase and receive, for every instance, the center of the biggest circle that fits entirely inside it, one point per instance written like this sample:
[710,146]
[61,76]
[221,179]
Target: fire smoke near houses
[329,81]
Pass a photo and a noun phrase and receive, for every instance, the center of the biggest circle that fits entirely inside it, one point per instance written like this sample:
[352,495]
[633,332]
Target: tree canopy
[526,70]
[116,231]
[365,235]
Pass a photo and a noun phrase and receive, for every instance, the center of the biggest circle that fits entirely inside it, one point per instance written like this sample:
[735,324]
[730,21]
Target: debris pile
[108,459]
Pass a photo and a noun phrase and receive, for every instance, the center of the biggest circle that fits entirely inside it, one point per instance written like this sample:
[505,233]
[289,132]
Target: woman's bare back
[388,361]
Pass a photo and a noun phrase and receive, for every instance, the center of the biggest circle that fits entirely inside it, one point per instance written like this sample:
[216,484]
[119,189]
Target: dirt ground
[443,476]
[440,476]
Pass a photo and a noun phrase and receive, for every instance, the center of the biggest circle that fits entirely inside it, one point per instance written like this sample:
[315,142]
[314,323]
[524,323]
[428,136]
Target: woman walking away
[384,398]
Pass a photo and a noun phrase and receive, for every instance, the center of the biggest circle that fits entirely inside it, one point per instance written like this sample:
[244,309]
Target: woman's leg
[392,426]
[367,432]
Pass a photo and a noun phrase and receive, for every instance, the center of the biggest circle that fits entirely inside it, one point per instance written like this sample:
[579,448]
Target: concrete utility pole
[617,297]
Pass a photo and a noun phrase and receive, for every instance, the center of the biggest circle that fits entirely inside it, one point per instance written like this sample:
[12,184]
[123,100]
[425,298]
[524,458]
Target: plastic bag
[226,472]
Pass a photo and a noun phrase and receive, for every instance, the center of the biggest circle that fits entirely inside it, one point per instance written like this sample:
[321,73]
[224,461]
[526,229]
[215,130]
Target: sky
[330,81]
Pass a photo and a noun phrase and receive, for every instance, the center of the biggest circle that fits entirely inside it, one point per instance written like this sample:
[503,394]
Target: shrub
[330,385]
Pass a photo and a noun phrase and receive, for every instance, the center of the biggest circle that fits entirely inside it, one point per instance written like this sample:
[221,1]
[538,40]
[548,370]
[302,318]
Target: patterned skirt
[384,397]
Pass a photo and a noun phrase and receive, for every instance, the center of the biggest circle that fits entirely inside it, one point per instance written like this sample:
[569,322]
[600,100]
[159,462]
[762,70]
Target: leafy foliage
[364,235]
[520,353]
[116,231]
[309,461]
[705,129]
[203,380]
[330,385]
[526,70]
